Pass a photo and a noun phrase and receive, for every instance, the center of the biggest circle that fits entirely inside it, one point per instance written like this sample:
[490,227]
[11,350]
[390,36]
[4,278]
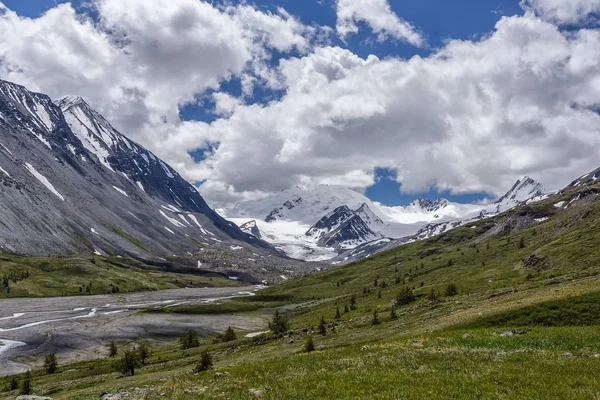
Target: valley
[80,328]
[503,306]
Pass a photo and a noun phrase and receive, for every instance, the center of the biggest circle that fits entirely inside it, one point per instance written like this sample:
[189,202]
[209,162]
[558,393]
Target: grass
[541,278]
[72,276]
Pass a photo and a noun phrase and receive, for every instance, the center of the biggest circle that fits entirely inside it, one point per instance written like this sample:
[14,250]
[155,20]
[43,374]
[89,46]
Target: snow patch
[43,180]
[169,230]
[124,193]
[172,220]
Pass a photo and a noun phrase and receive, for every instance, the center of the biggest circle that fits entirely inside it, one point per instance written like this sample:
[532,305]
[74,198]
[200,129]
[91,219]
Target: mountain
[251,228]
[74,184]
[337,223]
[524,189]
[345,228]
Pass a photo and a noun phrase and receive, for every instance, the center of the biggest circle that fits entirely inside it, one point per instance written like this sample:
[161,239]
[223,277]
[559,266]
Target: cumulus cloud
[472,117]
[139,61]
[379,16]
[563,11]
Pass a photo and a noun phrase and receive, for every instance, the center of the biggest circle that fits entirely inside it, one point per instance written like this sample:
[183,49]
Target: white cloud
[379,16]
[472,117]
[563,11]
[142,59]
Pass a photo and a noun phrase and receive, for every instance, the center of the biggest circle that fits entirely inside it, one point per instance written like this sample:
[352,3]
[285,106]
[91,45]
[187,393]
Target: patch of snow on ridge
[169,230]
[43,180]
[124,193]
[4,172]
[43,116]
[172,220]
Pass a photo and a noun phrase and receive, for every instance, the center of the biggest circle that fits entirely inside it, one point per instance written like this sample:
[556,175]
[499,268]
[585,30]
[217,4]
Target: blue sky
[437,20]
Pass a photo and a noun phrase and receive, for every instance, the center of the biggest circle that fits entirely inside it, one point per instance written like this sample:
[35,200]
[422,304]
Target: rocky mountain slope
[73,184]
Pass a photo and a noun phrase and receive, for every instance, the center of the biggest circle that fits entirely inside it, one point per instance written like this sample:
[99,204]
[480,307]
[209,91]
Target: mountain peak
[71,101]
[523,189]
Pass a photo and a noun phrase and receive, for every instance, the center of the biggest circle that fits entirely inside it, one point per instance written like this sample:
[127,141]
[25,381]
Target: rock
[567,354]
[320,347]
[256,392]
[111,396]
[221,375]
[365,347]
[291,341]
[467,336]
[31,397]
[512,333]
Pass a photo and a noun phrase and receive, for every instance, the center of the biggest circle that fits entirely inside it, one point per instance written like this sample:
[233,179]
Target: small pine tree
[229,335]
[375,320]
[487,246]
[13,384]
[189,340]
[128,363]
[379,295]
[143,352]
[112,349]
[206,362]
[375,284]
[337,312]
[50,363]
[432,295]
[280,323]
[323,327]
[521,243]
[397,281]
[393,315]
[450,262]
[353,302]
[26,388]
[451,290]
[346,310]
[309,345]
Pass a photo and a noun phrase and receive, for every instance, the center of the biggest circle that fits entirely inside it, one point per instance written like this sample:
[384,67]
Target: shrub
[128,363]
[13,384]
[143,352]
[228,336]
[432,295]
[51,363]
[309,345]
[451,290]
[206,362]
[322,327]
[375,320]
[405,296]
[112,349]
[280,323]
[189,340]
[26,388]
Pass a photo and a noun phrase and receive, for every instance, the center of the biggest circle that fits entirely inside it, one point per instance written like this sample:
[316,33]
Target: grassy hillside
[71,276]
[522,323]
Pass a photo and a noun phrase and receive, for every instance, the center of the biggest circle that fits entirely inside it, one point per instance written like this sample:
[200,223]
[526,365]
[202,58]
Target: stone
[32,397]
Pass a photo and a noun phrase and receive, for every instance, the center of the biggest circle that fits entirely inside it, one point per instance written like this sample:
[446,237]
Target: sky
[397,99]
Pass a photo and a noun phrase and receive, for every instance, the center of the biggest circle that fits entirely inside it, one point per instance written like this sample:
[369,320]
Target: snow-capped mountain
[331,220]
[345,228]
[72,183]
[524,189]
